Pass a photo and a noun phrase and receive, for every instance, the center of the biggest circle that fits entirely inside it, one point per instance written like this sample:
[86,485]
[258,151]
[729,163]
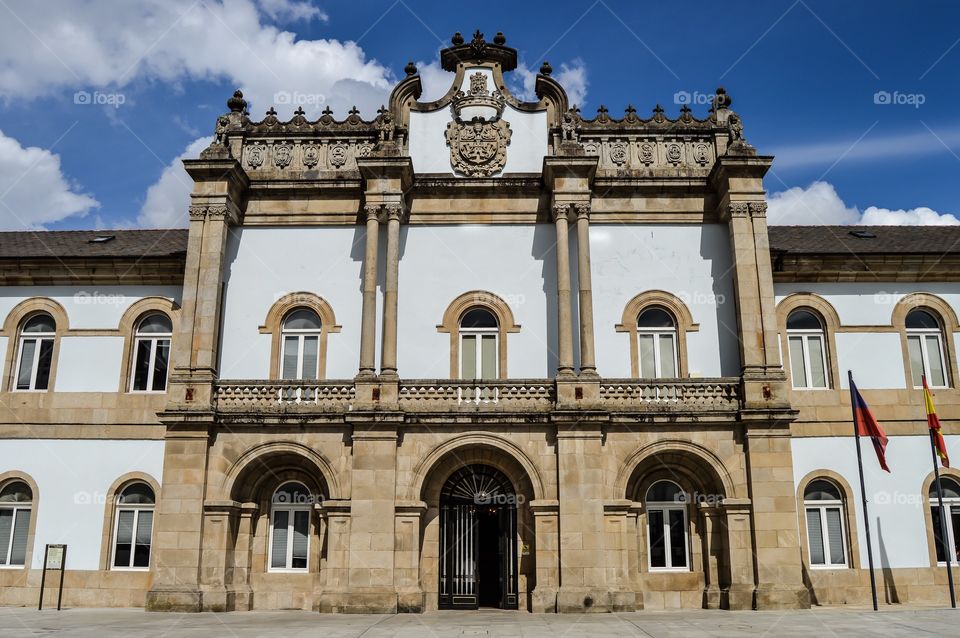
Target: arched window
[479,332]
[300,335]
[808,353]
[133,529]
[16,504]
[290,528]
[951,506]
[667,526]
[657,343]
[823,504]
[925,345]
[151,358]
[35,352]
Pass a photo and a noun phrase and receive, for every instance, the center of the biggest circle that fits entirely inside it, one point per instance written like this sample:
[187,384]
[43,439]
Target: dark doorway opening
[489,560]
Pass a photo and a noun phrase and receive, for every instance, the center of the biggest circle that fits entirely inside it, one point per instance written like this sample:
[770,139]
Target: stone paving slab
[841,623]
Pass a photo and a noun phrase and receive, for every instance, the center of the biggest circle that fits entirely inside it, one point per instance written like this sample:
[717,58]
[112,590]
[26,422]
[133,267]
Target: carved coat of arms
[478,147]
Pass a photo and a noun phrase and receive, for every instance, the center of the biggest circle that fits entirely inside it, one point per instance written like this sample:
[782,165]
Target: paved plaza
[845,623]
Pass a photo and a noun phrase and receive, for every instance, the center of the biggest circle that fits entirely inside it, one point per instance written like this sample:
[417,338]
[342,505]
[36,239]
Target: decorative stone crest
[647,153]
[618,153]
[255,153]
[478,147]
[338,155]
[701,154]
[283,154]
[674,153]
[311,155]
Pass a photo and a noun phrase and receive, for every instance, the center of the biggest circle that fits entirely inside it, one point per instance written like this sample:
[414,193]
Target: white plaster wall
[89,364]
[428,144]
[689,261]
[87,306]
[875,358]
[895,499]
[439,263]
[73,477]
[869,304]
[264,264]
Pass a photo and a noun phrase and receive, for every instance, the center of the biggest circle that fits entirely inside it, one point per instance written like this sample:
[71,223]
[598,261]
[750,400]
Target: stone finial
[478,38]
[410,69]
[500,39]
[457,39]
[545,68]
[721,100]
[658,113]
[237,104]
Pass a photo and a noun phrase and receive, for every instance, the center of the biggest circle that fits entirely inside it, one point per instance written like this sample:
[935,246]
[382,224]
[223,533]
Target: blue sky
[805,76]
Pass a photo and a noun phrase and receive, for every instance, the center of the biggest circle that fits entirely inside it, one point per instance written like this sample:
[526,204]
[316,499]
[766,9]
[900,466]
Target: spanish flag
[867,425]
[934,423]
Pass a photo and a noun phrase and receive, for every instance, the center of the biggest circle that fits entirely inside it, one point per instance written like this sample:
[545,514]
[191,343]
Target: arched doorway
[478,535]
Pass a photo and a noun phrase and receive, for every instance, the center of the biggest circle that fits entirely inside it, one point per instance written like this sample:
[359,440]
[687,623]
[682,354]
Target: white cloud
[870,148]
[168,198]
[33,189]
[572,77]
[292,10]
[819,203]
[434,80]
[53,48]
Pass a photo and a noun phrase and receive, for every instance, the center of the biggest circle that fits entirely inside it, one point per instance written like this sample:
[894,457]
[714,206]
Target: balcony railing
[698,394]
[257,395]
[446,394]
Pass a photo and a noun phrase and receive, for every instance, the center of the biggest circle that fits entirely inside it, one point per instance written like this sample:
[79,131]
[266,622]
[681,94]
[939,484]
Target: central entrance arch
[478,535]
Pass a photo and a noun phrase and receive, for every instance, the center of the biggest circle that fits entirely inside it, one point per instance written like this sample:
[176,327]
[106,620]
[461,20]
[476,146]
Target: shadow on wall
[889,586]
[715,248]
[544,250]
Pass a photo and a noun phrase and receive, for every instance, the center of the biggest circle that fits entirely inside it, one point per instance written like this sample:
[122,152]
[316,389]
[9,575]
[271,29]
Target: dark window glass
[655,317]
[678,546]
[803,320]
[161,357]
[821,490]
[142,365]
[658,546]
[922,320]
[478,318]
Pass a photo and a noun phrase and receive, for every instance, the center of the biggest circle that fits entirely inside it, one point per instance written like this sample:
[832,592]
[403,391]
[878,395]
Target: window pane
[647,364]
[43,364]
[817,373]
[137,494]
[124,538]
[302,319]
[678,539]
[291,347]
[155,324]
[815,537]
[797,366]
[141,364]
[20,492]
[803,320]
[936,372]
[21,527]
[821,490]
[658,547]
[160,360]
[921,319]
[278,551]
[665,492]
[937,533]
[916,359]
[478,318]
[468,357]
[40,323]
[141,554]
[955,523]
[655,317]
[488,357]
[835,536]
[6,526]
[311,355]
[25,371]
[668,363]
[301,530]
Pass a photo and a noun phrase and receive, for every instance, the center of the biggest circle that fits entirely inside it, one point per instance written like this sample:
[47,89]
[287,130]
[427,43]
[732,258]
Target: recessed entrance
[478,540]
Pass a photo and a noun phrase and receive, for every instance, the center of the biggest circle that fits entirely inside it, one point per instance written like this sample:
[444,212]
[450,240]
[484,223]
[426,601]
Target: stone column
[388,354]
[407,556]
[239,594]
[633,549]
[546,529]
[218,536]
[368,322]
[588,365]
[564,322]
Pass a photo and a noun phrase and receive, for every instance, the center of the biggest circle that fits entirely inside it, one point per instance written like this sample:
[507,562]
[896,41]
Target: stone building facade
[472,352]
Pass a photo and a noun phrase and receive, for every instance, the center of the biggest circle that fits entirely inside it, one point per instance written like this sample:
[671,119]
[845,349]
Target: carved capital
[393,212]
[561,210]
[372,211]
[758,209]
[739,209]
[198,213]
[582,210]
[218,212]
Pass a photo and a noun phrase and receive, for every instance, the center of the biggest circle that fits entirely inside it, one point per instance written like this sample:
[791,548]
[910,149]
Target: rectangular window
[936,374]
[668,368]
[141,372]
[134,530]
[290,539]
[291,356]
[815,537]
[14,529]
[278,548]
[311,357]
[678,538]
[658,543]
[818,375]
[160,361]
[798,367]
[301,525]
[835,536]
[915,348]
[36,359]
[124,545]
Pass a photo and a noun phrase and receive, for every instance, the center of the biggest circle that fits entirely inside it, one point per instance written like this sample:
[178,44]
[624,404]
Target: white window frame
[301,335]
[657,334]
[951,542]
[921,334]
[154,338]
[666,508]
[291,509]
[39,337]
[16,508]
[479,333]
[805,336]
[136,508]
[821,507]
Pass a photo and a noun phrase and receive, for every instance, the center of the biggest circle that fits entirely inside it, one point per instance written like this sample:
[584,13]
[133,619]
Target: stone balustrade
[445,395]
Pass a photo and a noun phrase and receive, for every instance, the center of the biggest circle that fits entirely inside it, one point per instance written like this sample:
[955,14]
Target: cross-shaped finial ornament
[630,111]
[354,110]
[602,110]
[382,110]
[658,110]
[272,112]
[327,110]
[300,112]
[685,110]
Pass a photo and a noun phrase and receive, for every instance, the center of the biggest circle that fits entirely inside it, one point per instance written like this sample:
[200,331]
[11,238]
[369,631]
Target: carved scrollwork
[282,154]
[619,153]
[338,155]
[311,155]
[255,155]
[739,209]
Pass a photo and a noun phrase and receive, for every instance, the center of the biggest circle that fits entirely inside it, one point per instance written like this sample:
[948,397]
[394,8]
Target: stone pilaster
[336,514]
[736,523]
[546,524]
[239,593]
[218,535]
[711,516]
[407,556]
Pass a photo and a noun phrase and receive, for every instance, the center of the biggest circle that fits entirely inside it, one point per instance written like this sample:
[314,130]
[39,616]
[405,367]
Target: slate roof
[67,244]
[819,240]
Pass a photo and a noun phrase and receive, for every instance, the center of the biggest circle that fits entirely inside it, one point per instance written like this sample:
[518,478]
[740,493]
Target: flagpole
[863,494]
[943,518]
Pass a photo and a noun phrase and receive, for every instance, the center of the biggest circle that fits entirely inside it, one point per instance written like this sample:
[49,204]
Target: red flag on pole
[867,425]
[934,424]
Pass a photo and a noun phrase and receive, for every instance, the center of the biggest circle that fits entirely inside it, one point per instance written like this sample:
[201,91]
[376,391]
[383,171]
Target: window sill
[291,570]
[24,566]
[129,569]
[670,570]
[829,567]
